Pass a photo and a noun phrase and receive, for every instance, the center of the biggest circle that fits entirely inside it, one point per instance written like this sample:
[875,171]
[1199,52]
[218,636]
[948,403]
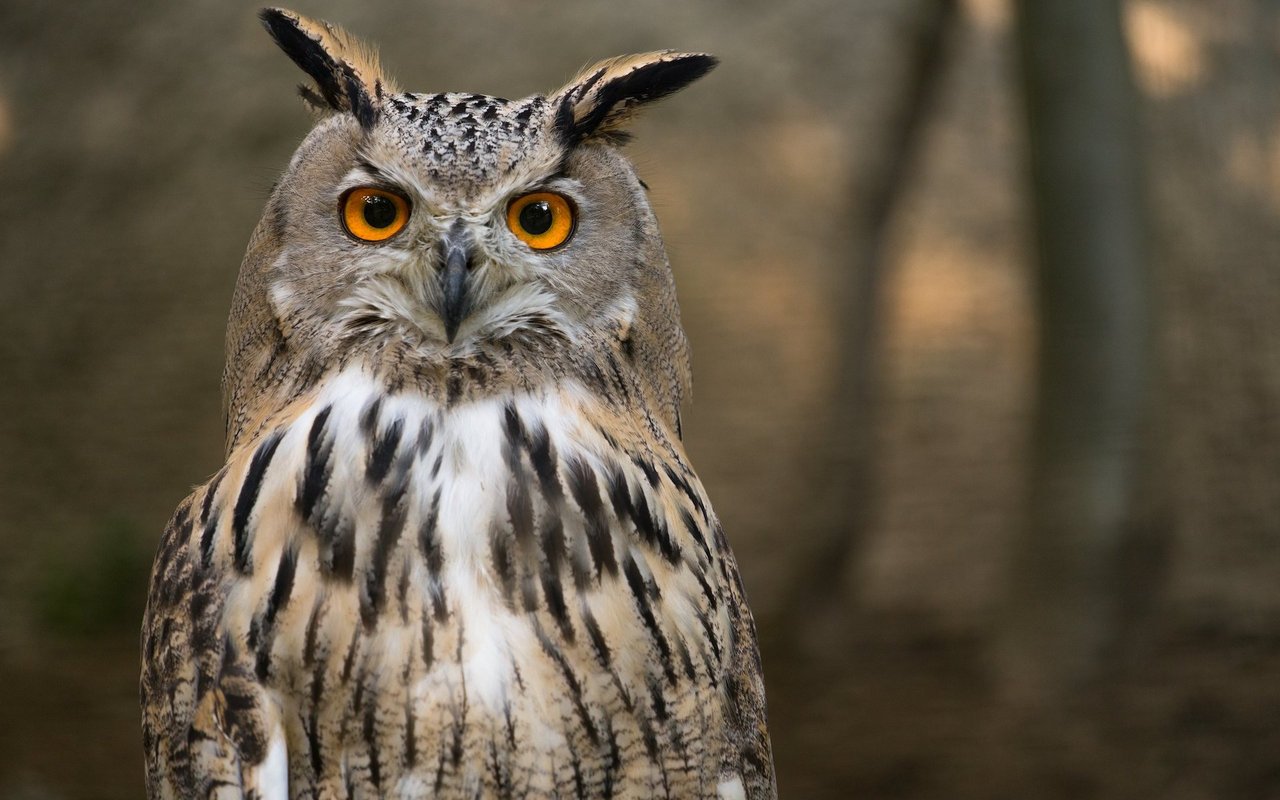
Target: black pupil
[379,212]
[536,218]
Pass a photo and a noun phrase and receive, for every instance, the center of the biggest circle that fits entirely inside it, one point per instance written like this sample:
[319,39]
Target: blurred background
[997,446]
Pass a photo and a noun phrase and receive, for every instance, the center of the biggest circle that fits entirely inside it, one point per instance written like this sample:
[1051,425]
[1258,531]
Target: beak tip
[453,279]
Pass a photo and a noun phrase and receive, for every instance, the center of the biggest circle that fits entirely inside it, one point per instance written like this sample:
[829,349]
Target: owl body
[457,549]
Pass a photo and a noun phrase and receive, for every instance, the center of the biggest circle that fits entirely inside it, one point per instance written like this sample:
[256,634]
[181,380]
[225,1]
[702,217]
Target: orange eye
[373,215]
[542,220]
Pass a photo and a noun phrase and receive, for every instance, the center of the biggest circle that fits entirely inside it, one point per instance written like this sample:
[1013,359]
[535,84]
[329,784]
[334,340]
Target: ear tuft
[346,71]
[603,98]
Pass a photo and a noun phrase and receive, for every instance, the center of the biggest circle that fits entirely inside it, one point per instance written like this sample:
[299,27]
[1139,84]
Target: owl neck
[281,380]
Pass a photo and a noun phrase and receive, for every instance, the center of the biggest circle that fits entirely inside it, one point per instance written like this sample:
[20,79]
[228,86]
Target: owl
[456,549]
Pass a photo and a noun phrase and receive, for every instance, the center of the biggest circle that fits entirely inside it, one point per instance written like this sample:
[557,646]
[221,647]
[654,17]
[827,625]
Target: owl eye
[542,220]
[372,215]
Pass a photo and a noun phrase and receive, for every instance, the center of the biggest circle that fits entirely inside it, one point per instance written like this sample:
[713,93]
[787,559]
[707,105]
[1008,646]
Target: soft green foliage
[100,590]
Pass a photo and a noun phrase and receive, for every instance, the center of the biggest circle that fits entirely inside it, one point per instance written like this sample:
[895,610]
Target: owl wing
[744,686]
[209,728]
[685,531]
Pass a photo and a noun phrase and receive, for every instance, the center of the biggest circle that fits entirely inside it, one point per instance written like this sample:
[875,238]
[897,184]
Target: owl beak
[453,284]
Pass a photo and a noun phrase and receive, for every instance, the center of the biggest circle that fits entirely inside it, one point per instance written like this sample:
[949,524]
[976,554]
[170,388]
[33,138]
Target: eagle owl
[457,549]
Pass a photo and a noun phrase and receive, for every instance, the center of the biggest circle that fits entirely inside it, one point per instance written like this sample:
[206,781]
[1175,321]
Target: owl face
[455,222]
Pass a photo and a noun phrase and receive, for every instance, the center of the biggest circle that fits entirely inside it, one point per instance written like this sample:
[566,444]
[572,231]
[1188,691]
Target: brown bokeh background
[137,144]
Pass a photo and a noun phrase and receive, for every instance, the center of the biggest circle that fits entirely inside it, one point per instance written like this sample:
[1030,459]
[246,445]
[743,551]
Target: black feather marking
[582,483]
[712,638]
[369,730]
[339,535]
[248,498]
[501,550]
[428,641]
[695,531]
[653,528]
[312,634]
[383,451]
[319,467]
[646,466]
[402,592]
[460,717]
[712,603]
[313,746]
[282,588]
[370,416]
[614,764]
[427,541]
[645,525]
[349,661]
[210,491]
[265,626]
[520,511]
[362,105]
[686,660]
[575,765]
[542,456]
[573,685]
[410,733]
[426,433]
[307,53]
[598,643]
[207,541]
[553,550]
[514,428]
[554,592]
[390,527]
[429,546]
[644,84]
[339,86]
[686,488]
[620,495]
[659,702]
[639,590]
[439,770]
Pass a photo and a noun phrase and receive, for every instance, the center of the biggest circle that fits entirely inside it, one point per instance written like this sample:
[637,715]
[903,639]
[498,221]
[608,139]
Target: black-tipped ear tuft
[307,53]
[605,97]
[346,72]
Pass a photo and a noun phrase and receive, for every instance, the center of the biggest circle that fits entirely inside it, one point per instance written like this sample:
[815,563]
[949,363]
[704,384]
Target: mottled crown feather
[346,71]
[604,97]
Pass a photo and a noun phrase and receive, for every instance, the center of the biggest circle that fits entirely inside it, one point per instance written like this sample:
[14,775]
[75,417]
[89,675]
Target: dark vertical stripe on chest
[383,451]
[265,625]
[248,498]
[640,591]
[319,466]
[390,528]
[586,492]
[209,518]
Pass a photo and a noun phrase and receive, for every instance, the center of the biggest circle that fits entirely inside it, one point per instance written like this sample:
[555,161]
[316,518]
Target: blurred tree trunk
[1067,577]
[818,600]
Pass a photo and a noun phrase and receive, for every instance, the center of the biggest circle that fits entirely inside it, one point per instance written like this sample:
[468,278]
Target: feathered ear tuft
[346,71]
[603,98]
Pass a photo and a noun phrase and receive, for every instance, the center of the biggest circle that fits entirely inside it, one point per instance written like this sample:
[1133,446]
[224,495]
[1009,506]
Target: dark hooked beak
[456,262]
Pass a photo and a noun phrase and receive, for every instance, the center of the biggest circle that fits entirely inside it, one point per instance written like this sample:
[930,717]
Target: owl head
[424,232]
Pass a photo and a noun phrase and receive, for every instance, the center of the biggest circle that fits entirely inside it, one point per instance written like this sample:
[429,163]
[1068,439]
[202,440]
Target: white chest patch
[428,587]
[456,467]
